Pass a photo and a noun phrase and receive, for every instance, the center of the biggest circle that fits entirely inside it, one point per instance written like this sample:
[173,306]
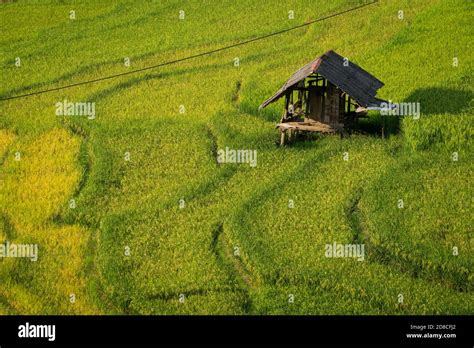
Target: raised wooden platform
[294,127]
[308,126]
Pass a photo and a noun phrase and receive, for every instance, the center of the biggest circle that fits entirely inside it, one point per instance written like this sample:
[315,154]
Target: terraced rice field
[133,214]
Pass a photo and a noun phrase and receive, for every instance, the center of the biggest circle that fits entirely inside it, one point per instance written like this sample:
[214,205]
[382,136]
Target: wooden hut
[326,95]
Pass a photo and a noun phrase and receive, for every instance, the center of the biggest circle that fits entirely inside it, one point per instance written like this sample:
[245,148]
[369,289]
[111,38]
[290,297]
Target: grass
[235,247]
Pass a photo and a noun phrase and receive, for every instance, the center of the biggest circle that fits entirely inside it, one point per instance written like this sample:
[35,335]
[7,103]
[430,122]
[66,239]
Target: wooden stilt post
[383,127]
[282,137]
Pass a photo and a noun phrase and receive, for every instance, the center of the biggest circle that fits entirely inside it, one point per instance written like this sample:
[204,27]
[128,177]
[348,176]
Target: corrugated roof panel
[352,79]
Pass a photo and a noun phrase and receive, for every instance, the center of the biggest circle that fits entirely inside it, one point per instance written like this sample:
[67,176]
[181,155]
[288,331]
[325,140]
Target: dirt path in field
[234,266]
[99,297]
[352,213]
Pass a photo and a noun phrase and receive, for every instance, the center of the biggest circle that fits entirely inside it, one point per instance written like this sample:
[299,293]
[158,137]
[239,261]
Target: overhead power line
[189,57]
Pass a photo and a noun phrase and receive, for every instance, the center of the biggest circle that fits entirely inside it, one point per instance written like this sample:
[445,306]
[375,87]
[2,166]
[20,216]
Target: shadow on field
[433,100]
[436,100]
[377,125]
